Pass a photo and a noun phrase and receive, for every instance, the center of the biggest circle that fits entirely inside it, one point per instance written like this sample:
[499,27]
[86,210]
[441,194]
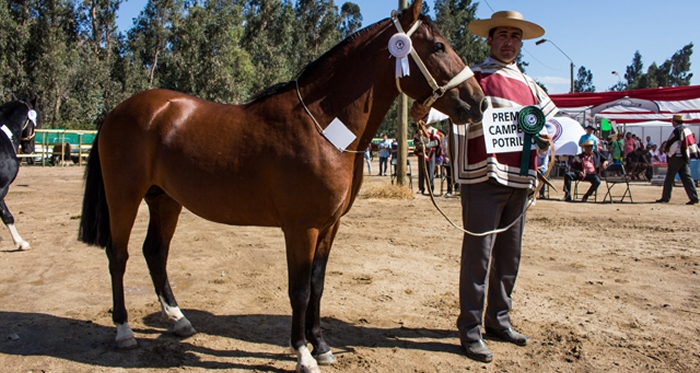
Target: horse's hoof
[183,328]
[309,369]
[23,246]
[127,343]
[325,358]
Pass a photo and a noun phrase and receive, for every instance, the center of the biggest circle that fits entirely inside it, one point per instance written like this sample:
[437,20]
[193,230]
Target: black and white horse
[18,119]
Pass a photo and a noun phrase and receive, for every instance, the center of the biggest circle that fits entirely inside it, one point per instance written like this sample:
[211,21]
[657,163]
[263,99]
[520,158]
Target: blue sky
[601,35]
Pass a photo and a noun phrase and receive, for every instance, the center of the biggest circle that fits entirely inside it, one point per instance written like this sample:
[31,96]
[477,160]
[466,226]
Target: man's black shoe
[507,335]
[478,351]
[661,200]
[692,202]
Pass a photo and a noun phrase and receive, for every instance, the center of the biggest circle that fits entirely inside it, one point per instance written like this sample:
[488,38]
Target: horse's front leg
[322,352]
[301,246]
[9,221]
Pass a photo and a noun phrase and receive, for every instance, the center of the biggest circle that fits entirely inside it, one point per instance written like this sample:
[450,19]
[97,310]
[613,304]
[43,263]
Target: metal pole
[402,128]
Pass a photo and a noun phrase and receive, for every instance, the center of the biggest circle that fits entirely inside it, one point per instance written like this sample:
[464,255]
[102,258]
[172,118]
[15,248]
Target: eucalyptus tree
[14,33]
[317,30]
[351,19]
[270,29]
[207,60]
[673,72]
[634,71]
[452,17]
[51,58]
[584,81]
[94,92]
[153,27]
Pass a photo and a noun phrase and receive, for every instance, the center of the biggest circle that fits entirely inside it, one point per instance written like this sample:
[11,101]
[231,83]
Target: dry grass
[385,191]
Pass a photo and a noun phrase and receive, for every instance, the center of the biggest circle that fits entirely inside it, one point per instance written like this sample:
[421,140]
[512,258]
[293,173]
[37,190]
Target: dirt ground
[603,287]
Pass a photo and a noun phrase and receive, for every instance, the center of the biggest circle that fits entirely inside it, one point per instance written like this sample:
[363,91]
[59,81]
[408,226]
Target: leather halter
[438,91]
[26,123]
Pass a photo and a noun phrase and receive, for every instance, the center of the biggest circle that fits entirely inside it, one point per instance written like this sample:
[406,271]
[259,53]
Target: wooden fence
[52,143]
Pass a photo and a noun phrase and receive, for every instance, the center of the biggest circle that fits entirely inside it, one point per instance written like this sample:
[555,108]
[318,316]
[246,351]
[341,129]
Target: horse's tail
[94,221]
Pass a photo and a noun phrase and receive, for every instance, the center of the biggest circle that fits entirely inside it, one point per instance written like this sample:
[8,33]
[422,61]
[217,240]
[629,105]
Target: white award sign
[338,134]
[501,131]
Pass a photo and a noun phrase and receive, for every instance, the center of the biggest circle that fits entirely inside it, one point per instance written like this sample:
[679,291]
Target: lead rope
[432,198]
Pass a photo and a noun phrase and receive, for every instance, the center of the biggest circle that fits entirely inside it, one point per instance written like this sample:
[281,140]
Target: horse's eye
[439,47]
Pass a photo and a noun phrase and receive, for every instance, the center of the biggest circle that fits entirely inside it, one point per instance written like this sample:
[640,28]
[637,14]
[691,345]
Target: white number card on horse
[502,134]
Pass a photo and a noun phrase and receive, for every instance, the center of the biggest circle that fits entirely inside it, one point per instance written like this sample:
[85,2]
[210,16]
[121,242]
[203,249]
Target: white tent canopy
[635,106]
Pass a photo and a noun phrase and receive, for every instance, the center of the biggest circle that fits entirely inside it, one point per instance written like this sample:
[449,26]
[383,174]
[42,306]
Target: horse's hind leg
[9,221]
[322,351]
[164,213]
[122,215]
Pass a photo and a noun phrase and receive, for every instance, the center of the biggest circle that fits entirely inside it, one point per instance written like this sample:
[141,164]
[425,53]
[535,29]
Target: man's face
[505,43]
[588,149]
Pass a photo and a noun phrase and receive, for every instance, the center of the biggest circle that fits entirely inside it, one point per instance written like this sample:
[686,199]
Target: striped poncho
[504,85]
[681,143]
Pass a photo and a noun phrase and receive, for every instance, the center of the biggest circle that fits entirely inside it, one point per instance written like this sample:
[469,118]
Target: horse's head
[27,142]
[22,115]
[443,81]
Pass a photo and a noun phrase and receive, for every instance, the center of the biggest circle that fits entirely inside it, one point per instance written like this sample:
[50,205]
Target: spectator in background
[446,165]
[542,165]
[384,151]
[589,136]
[617,145]
[681,147]
[661,154]
[630,144]
[368,154]
[637,164]
[585,166]
[432,140]
[649,142]
[394,155]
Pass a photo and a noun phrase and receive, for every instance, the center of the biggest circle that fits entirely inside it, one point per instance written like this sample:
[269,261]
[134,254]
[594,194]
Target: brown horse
[264,163]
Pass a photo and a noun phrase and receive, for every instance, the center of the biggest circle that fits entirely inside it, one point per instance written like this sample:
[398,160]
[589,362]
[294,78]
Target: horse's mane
[8,107]
[267,92]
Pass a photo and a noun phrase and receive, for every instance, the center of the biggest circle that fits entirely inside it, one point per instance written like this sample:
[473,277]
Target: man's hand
[418,111]
[546,140]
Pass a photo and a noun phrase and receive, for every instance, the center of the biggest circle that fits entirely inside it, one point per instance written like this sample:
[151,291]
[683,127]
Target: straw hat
[679,118]
[588,143]
[505,18]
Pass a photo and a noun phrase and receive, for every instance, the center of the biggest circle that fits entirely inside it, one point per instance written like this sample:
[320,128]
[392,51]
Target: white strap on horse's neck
[7,132]
[438,91]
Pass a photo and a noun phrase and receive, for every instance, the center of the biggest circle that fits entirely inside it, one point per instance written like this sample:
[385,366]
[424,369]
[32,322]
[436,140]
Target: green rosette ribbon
[531,120]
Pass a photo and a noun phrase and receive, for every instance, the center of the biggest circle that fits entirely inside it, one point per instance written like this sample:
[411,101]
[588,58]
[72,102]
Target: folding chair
[586,185]
[616,174]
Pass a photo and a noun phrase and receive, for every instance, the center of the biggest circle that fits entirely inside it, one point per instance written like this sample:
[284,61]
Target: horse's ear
[414,10]
[13,97]
[34,101]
